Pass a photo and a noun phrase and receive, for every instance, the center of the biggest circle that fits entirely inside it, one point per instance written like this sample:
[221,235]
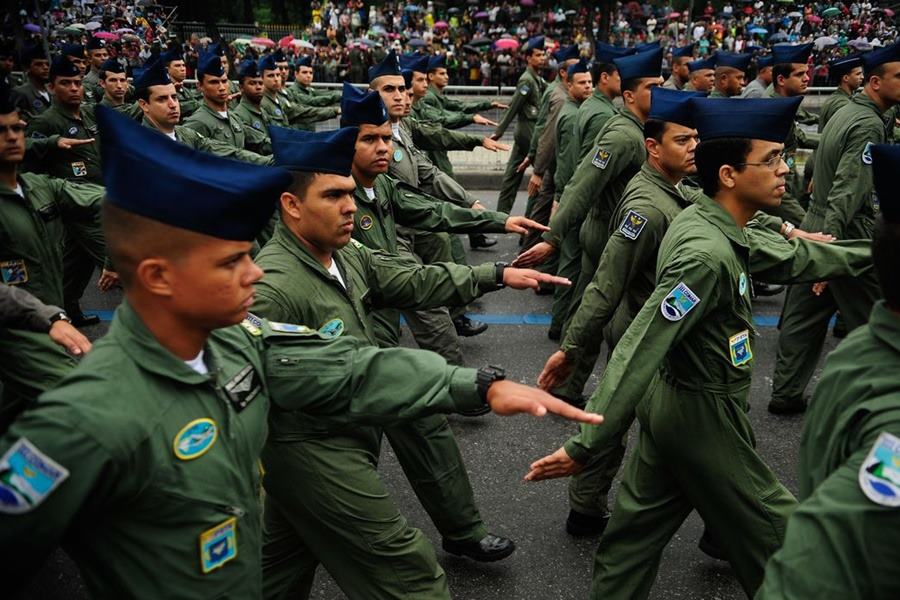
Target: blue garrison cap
[359,107]
[885,166]
[112,65]
[279,56]
[216,49]
[876,58]
[389,66]
[248,69]
[154,73]
[95,43]
[534,43]
[222,198]
[303,61]
[605,53]
[768,119]
[567,53]
[765,61]
[684,51]
[703,63]
[642,64]
[31,53]
[416,62]
[170,55]
[321,152]
[63,67]
[734,60]
[73,50]
[645,46]
[786,53]
[673,106]
[209,64]
[438,61]
[582,66]
[267,63]
[407,77]
[845,64]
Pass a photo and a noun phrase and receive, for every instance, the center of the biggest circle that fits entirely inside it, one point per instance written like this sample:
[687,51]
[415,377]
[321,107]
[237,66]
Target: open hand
[558,464]
[523,165]
[534,184]
[556,369]
[494,145]
[523,225]
[529,279]
[69,143]
[65,334]
[536,255]
[509,398]
[479,120]
[817,236]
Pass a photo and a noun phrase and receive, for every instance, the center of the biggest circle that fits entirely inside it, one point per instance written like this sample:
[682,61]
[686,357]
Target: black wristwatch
[60,316]
[486,377]
[499,267]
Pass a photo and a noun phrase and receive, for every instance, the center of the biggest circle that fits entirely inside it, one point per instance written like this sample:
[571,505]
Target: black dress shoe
[554,334]
[479,240]
[489,549]
[79,319]
[787,406]
[582,525]
[466,327]
[709,547]
[840,328]
[766,289]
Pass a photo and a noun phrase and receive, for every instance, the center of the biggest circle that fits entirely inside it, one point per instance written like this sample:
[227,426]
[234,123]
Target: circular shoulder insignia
[37,103]
[867,154]
[257,125]
[366,222]
[73,130]
[398,155]
[278,111]
[195,439]
[742,284]
[879,474]
[332,328]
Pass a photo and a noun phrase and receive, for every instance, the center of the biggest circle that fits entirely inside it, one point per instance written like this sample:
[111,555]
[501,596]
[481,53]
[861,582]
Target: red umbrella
[674,15]
[441,25]
[889,12]
[265,42]
[105,35]
[285,41]
[814,18]
[506,44]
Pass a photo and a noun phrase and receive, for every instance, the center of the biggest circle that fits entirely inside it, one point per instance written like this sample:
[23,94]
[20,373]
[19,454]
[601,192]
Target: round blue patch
[366,222]
[73,130]
[398,155]
[742,284]
[195,439]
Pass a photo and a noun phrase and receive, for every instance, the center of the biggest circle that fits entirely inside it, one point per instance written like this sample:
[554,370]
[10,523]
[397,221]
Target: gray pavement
[548,564]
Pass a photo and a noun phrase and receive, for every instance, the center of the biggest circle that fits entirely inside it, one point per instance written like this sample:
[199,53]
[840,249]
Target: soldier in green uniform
[357,64]
[591,196]
[730,74]
[683,366]
[840,541]
[161,493]
[847,74]
[843,205]
[249,110]
[39,214]
[680,72]
[188,98]
[524,109]
[213,119]
[96,56]
[303,92]
[316,273]
[278,108]
[789,79]
[158,100]
[760,84]
[32,97]
[703,75]
[115,88]
[418,87]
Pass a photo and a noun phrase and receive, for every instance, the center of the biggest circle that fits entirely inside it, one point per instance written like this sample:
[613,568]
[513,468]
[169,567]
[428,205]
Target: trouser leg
[509,186]
[427,450]
[569,266]
[289,567]
[78,268]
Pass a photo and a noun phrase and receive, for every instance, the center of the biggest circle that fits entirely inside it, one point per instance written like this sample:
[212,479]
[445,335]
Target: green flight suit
[132,109]
[683,367]
[189,99]
[791,209]
[587,206]
[836,101]
[304,116]
[843,205]
[30,101]
[427,113]
[297,288]
[159,496]
[839,542]
[36,236]
[310,96]
[198,141]
[252,116]
[716,93]
[592,116]
[274,110]
[442,104]
[672,84]
[228,129]
[524,108]
[93,93]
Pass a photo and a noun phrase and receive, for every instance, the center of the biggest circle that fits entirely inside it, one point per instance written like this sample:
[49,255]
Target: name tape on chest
[679,302]
[27,477]
[632,225]
[879,475]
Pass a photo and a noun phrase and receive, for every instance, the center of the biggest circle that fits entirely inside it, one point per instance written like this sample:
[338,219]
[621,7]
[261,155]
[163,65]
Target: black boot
[479,240]
[490,548]
[466,327]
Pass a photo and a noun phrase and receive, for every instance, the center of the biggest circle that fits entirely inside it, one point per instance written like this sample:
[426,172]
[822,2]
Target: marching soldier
[847,74]
[680,72]
[730,74]
[32,97]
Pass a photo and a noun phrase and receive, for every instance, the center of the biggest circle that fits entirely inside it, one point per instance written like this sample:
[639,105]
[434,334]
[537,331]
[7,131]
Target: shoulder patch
[632,225]
[867,154]
[27,477]
[195,439]
[679,302]
[332,329]
[879,475]
[601,158]
[524,89]
[290,328]
[356,243]
[252,324]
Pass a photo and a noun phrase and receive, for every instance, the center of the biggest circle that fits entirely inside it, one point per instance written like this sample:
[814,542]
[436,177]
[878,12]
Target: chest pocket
[48,212]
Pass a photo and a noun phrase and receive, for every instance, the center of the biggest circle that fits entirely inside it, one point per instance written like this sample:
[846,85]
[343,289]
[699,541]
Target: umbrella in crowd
[441,25]
[674,15]
[481,15]
[106,35]
[285,41]
[506,44]
[480,41]
[417,43]
[860,45]
[824,41]
[92,26]
[124,30]
[31,27]
[758,30]
[302,44]
[795,15]
[814,19]
[831,11]
[263,42]
[779,37]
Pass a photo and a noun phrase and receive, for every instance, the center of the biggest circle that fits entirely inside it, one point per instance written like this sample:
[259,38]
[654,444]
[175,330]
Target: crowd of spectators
[479,38]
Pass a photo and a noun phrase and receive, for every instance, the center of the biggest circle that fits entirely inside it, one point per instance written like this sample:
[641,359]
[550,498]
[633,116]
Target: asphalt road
[548,564]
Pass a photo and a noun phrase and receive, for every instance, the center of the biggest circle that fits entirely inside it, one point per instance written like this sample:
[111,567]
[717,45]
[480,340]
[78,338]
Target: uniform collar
[284,236]
[205,107]
[885,325]
[718,216]
[256,110]
[61,111]
[657,178]
[601,96]
[145,350]
[633,118]
[863,100]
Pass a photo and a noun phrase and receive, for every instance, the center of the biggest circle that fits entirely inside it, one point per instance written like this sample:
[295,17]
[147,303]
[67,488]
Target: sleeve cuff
[464,390]
[486,277]
[550,238]
[576,450]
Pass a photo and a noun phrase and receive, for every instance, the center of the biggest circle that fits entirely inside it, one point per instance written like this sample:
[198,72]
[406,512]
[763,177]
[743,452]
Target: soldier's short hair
[711,155]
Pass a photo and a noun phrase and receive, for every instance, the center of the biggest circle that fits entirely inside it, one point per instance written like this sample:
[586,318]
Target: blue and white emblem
[195,439]
[879,475]
[218,545]
[13,272]
[632,225]
[257,125]
[278,111]
[867,154]
[679,302]
[398,155]
[332,329]
[27,477]
[739,348]
[601,158]
[742,284]
[366,222]
[73,130]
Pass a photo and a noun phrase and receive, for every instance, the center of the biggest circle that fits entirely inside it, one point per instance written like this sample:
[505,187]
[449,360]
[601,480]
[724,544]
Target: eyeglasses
[17,128]
[773,163]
